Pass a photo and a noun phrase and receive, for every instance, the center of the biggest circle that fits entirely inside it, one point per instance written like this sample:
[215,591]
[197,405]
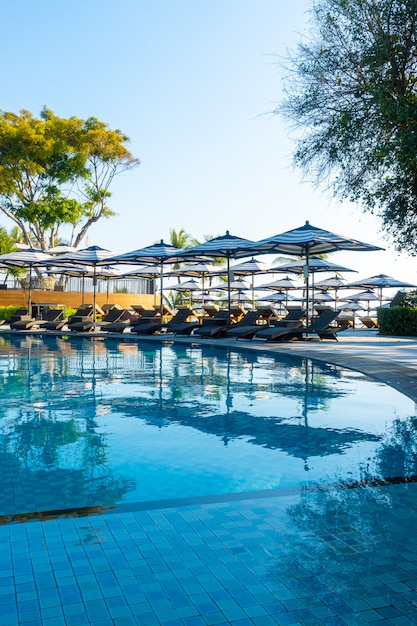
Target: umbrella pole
[30,292]
[306,275]
[161,277]
[94,295]
[228,286]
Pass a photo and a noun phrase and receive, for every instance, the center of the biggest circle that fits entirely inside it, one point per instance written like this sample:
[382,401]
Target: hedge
[398,320]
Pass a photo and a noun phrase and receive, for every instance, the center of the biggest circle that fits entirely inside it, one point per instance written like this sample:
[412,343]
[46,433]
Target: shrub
[398,320]
[7,311]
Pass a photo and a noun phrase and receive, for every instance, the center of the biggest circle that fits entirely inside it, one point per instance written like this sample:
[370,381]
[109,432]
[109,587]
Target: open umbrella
[197,270]
[92,256]
[364,296]
[250,268]
[306,241]
[160,253]
[29,258]
[381,281]
[334,282]
[227,246]
[188,286]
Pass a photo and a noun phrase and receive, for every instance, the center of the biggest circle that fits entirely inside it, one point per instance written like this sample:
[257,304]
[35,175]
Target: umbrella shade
[250,268]
[282,283]
[322,296]
[307,240]
[227,246]
[161,253]
[189,285]
[366,296]
[315,264]
[197,270]
[62,249]
[26,258]
[335,282]
[382,281]
[92,256]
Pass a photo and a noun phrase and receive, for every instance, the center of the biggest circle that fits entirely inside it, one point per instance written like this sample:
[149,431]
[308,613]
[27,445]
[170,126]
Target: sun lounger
[18,315]
[53,320]
[214,326]
[25,323]
[369,322]
[248,331]
[179,324]
[116,320]
[321,327]
[246,326]
[82,320]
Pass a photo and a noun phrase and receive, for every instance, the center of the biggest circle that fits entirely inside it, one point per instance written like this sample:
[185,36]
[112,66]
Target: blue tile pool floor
[330,557]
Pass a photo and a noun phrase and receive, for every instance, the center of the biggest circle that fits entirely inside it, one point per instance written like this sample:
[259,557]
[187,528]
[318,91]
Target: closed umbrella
[29,258]
[308,240]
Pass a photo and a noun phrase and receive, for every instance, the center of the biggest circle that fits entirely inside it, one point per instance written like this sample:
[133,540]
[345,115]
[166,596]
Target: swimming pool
[94,423]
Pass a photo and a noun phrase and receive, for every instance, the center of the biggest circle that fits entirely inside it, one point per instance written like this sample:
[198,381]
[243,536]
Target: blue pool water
[87,423]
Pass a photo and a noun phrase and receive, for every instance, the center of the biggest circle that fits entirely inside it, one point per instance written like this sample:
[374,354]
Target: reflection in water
[90,423]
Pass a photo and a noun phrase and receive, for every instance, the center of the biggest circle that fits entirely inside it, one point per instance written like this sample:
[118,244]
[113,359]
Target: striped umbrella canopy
[306,241]
[197,270]
[334,282]
[226,246]
[92,256]
[158,253]
[367,296]
[381,281]
[29,258]
[250,268]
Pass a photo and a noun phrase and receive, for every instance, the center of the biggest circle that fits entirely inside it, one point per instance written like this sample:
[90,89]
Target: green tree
[351,94]
[56,171]
[7,242]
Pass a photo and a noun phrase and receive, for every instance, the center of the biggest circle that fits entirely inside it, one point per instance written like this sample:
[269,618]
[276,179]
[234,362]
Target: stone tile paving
[335,557]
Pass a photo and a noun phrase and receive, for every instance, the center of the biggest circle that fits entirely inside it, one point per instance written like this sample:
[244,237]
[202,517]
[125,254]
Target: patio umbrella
[335,282]
[250,268]
[227,246]
[189,285]
[26,258]
[381,281]
[282,283]
[197,270]
[160,253]
[92,256]
[365,296]
[306,241]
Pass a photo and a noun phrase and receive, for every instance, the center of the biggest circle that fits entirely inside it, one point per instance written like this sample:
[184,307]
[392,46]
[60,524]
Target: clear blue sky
[192,83]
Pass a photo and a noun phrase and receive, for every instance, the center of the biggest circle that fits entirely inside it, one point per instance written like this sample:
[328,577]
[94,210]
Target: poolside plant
[398,321]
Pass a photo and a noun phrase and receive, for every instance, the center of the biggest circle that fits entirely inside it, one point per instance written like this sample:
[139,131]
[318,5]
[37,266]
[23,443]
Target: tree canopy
[351,94]
[56,171]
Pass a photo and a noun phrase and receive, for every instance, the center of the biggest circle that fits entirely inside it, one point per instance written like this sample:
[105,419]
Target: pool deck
[328,557]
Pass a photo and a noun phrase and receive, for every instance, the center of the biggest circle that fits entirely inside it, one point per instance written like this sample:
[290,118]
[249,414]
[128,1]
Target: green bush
[400,321]
[7,311]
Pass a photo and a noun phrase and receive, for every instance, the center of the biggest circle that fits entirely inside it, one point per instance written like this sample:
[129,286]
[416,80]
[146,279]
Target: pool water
[87,423]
